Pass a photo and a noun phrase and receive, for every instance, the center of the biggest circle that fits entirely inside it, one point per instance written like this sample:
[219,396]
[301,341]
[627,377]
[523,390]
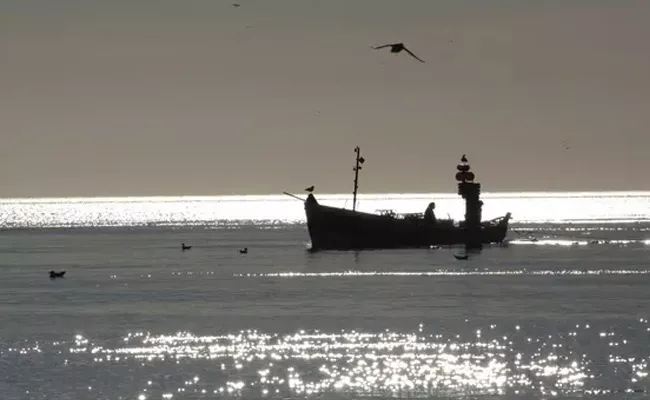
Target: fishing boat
[332,228]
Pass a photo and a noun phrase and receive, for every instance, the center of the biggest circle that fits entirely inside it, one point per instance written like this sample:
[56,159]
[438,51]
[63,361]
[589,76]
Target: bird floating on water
[184,247]
[54,274]
[397,48]
[243,251]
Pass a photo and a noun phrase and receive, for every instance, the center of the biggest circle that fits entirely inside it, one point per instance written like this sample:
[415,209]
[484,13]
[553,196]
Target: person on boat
[429,215]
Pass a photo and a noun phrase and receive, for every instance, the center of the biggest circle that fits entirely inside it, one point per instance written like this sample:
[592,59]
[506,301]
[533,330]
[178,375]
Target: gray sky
[193,97]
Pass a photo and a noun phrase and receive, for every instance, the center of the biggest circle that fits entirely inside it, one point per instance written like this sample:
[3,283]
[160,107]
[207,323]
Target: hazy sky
[196,97]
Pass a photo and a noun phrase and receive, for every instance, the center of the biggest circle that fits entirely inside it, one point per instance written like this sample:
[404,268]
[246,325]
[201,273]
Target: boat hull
[332,228]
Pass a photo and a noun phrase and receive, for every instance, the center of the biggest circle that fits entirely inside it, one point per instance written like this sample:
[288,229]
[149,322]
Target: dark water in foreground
[136,318]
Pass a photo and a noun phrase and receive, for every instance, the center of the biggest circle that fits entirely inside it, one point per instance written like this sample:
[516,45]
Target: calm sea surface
[565,316]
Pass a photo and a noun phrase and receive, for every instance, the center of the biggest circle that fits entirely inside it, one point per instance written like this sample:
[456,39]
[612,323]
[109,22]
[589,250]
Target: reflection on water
[487,360]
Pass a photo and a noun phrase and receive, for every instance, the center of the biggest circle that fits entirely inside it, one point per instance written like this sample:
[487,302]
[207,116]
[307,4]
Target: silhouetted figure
[54,275]
[183,247]
[397,48]
[243,251]
[310,189]
[429,215]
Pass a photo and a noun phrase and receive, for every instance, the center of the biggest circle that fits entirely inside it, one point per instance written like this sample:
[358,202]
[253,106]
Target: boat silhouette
[332,228]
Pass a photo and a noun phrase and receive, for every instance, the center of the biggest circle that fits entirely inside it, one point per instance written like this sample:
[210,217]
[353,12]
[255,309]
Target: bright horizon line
[328,196]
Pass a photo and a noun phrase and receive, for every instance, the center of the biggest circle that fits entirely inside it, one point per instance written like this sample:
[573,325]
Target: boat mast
[360,160]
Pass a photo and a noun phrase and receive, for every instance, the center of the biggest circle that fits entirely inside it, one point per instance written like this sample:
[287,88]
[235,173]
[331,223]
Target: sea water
[563,316]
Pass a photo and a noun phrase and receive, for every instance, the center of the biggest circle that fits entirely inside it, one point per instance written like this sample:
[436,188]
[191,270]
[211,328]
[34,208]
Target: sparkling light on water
[445,273]
[225,211]
[391,364]
[560,242]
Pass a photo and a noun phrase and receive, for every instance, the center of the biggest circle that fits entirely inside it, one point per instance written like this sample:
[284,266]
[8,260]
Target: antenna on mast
[360,160]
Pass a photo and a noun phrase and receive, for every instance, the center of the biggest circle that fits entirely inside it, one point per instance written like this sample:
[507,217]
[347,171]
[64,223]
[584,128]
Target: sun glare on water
[392,364]
[224,210]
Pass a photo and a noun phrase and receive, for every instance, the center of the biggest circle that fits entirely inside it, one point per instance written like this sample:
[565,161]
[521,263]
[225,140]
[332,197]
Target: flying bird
[397,48]
[310,189]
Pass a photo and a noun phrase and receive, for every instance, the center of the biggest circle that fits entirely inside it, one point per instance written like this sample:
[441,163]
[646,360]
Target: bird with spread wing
[397,48]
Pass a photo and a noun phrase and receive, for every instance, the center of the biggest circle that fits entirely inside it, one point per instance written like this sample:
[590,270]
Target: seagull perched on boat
[397,48]
[310,189]
[463,158]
